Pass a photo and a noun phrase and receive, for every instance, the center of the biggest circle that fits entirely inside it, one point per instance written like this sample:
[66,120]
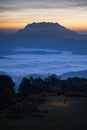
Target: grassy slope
[69,116]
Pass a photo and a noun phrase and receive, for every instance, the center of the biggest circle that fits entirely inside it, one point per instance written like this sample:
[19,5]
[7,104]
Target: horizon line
[13,28]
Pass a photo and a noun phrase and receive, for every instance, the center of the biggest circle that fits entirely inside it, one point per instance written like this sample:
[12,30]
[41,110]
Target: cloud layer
[67,12]
[12,5]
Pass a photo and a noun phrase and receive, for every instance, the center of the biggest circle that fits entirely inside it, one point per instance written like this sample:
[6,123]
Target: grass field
[55,115]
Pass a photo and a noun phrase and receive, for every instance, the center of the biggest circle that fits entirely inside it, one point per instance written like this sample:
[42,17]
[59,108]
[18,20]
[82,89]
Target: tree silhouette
[6,88]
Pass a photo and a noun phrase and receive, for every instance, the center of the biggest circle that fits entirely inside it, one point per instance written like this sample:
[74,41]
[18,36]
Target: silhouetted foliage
[6,88]
[36,85]
[75,85]
[52,84]
[31,86]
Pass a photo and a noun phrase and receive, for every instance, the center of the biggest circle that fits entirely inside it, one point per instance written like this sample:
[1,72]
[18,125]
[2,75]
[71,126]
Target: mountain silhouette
[46,35]
[53,30]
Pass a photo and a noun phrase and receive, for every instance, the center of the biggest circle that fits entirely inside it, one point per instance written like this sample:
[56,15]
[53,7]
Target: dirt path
[69,116]
[56,116]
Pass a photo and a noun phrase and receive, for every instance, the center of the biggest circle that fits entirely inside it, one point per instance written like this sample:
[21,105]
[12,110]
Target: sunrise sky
[16,14]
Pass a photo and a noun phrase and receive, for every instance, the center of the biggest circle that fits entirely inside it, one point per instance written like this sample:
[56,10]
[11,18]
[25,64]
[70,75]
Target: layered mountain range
[45,35]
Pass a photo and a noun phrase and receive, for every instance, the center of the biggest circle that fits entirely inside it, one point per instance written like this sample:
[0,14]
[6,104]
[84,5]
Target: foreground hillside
[55,115]
[79,74]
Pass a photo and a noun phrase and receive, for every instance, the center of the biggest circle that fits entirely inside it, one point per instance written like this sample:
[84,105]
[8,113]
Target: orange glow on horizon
[21,26]
[17,14]
[17,24]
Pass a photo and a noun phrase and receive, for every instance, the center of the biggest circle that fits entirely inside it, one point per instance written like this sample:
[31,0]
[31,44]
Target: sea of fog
[21,62]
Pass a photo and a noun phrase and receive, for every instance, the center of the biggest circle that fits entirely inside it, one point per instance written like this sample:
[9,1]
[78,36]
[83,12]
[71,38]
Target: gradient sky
[15,14]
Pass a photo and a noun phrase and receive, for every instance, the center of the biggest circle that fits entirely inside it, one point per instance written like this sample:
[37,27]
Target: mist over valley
[42,49]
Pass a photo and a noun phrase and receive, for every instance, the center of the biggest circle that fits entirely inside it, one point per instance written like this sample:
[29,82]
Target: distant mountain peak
[47,29]
[43,25]
[46,35]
